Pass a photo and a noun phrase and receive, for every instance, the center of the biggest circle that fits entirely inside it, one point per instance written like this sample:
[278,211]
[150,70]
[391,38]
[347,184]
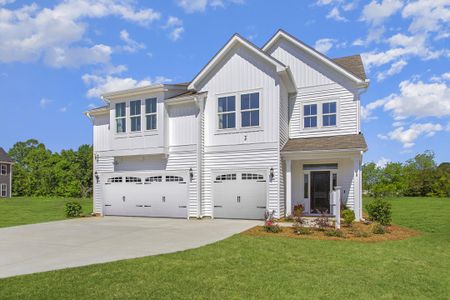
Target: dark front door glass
[320,192]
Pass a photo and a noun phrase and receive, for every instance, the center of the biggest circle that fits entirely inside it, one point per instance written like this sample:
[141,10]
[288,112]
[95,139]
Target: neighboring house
[257,129]
[5,174]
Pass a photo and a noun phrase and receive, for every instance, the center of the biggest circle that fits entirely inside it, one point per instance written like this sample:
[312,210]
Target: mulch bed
[353,233]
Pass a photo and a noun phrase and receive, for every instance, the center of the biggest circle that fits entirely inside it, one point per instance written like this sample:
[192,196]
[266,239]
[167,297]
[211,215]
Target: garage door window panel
[114,179]
[153,179]
[133,179]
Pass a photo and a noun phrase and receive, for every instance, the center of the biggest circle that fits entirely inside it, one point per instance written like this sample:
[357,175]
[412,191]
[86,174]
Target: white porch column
[357,194]
[288,188]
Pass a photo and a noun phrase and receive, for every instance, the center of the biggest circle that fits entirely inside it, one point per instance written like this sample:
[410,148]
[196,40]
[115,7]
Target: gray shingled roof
[337,142]
[4,157]
[353,64]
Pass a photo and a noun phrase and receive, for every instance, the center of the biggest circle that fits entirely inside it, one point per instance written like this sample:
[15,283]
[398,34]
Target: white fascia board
[156,88]
[235,39]
[314,53]
[319,154]
[288,80]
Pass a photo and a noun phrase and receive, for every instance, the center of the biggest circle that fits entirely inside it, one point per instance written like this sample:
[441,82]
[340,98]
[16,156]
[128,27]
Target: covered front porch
[315,167]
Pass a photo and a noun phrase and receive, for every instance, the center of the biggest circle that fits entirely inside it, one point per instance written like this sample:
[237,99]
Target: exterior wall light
[97,178]
[191,174]
[272,175]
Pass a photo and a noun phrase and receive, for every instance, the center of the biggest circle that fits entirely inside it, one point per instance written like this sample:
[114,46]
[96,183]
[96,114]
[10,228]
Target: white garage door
[141,194]
[240,195]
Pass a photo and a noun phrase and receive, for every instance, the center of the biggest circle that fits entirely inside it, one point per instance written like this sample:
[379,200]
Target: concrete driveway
[78,242]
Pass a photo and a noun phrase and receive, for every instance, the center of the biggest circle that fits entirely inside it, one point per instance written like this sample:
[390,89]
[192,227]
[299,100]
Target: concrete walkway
[71,243]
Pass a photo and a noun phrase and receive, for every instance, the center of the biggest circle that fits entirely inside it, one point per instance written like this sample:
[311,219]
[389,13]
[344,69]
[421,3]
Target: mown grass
[30,210]
[247,267]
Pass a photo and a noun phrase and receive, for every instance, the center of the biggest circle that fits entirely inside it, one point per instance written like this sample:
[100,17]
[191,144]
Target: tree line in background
[37,171]
[419,176]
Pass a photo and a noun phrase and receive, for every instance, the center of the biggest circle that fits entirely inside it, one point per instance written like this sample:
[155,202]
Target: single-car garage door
[240,195]
[145,194]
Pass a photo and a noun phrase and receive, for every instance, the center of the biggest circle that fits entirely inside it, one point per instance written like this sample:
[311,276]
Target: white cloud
[103,84]
[131,45]
[74,57]
[324,45]
[382,162]
[420,100]
[408,136]
[192,6]
[442,77]
[175,25]
[427,15]
[63,109]
[4,2]
[376,12]
[29,33]
[366,111]
[336,15]
[395,68]
[44,102]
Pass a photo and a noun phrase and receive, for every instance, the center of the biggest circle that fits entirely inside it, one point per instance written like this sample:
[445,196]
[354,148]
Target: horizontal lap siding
[103,165]
[240,160]
[347,111]
[182,161]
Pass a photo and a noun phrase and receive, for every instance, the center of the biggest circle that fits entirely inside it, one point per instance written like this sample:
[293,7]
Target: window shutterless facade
[150,114]
[329,114]
[226,111]
[121,120]
[310,116]
[135,115]
[250,110]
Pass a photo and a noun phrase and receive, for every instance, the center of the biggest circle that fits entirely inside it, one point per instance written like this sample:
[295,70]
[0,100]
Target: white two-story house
[257,129]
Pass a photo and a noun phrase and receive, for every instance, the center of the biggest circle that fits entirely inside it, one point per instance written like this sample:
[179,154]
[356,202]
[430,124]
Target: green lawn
[27,210]
[280,268]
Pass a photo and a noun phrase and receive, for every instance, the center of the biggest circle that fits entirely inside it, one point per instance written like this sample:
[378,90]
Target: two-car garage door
[145,194]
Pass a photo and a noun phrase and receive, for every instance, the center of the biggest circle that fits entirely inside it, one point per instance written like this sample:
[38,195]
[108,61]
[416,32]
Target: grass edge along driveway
[251,267]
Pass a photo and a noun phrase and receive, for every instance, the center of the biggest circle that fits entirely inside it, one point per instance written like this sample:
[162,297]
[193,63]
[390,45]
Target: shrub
[378,229]
[379,211]
[348,217]
[335,233]
[73,209]
[300,230]
[269,224]
[362,234]
[322,222]
[298,214]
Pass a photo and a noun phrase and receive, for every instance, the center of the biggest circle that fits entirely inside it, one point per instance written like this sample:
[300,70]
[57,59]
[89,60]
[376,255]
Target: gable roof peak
[4,156]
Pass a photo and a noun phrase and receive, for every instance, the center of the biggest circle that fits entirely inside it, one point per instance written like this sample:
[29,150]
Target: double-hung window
[135,115]
[121,121]
[3,190]
[150,114]
[226,111]
[329,114]
[3,170]
[250,110]
[310,116]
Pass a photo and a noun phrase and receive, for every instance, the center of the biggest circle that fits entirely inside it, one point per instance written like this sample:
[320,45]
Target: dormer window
[121,121]
[135,115]
[150,114]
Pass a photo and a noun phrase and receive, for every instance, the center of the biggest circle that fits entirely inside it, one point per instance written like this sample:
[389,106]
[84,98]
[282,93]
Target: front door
[320,192]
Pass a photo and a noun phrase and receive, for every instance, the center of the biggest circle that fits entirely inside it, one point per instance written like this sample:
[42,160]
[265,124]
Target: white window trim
[117,118]
[150,114]
[328,114]
[310,116]
[4,187]
[235,111]
[1,169]
[239,128]
[320,126]
[136,116]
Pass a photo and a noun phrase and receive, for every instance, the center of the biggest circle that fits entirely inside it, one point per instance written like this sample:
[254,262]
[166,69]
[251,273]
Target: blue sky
[57,57]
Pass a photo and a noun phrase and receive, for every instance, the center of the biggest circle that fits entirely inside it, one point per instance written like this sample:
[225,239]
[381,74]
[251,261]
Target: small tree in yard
[379,211]
[348,217]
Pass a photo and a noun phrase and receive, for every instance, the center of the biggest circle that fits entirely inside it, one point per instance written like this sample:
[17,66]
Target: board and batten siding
[241,72]
[101,132]
[183,124]
[216,162]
